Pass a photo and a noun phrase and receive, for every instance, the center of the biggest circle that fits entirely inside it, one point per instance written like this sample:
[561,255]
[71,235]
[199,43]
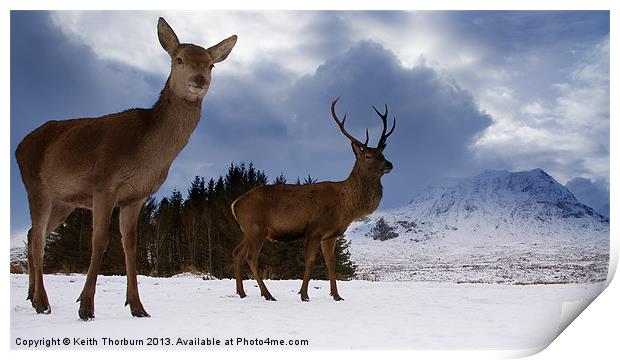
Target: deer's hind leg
[40,209]
[255,244]
[58,214]
[239,254]
[313,241]
[328,246]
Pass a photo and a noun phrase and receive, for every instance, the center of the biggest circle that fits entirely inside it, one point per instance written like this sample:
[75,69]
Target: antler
[342,129]
[382,144]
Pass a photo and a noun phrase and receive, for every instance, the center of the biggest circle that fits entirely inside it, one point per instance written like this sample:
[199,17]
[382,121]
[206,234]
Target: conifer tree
[280,179]
[310,180]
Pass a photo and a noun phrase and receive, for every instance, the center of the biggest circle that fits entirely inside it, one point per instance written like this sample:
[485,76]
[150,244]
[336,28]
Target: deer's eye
[368,157]
[179,61]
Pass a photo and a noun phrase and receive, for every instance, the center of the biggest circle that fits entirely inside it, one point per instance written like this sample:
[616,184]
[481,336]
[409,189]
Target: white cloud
[287,38]
[116,35]
[131,37]
[534,109]
[568,134]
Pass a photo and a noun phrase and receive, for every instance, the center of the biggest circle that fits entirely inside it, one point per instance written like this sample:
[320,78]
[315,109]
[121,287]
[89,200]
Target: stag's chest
[367,201]
[370,196]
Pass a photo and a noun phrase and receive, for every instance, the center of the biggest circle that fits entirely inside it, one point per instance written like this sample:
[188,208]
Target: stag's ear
[167,38]
[220,51]
[357,150]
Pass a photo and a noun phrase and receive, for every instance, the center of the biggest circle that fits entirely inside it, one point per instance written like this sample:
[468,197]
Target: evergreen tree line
[196,233]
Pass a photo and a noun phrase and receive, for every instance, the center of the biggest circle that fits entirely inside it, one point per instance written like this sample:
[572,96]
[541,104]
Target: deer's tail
[232,209]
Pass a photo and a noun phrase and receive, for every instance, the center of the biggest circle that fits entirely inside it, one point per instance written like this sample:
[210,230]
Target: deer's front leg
[103,203]
[129,232]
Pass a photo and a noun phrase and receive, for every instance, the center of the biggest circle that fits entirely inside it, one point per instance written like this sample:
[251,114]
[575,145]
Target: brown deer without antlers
[319,212]
[117,160]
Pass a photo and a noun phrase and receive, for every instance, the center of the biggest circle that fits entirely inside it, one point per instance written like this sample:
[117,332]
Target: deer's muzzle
[388,167]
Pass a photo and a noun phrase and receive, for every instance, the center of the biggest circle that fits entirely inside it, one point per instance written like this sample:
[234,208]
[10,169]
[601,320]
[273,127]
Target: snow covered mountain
[500,226]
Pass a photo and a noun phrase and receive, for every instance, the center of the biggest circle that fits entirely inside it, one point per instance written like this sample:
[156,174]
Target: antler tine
[382,141]
[392,129]
[382,116]
[341,126]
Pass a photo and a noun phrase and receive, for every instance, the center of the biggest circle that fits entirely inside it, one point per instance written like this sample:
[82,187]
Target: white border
[592,335]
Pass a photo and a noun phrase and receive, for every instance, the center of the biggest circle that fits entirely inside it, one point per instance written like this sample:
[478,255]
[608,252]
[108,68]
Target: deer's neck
[174,119]
[362,193]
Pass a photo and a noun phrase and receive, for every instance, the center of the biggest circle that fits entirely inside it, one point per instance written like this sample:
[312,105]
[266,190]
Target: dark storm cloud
[326,34]
[437,120]
[592,193]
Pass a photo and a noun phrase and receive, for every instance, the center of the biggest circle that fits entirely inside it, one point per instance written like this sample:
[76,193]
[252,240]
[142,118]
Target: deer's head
[370,161]
[191,64]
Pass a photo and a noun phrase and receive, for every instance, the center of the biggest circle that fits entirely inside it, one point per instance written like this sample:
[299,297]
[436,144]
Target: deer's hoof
[42,308]
[87,309]
[337,297]
[137,310]
[241,294]
[268,297]
[40,304]
[140,313]
[86,314]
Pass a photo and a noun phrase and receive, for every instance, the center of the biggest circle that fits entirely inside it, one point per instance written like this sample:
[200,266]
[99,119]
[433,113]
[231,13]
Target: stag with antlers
[319,213]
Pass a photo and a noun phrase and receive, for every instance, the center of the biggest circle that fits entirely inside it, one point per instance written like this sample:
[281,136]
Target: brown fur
[116,160]
[320,213]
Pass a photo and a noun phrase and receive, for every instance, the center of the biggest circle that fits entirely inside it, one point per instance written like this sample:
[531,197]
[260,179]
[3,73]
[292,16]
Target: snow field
[373,315]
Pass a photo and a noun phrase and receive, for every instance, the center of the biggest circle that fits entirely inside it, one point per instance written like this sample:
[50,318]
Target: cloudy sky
[471,90]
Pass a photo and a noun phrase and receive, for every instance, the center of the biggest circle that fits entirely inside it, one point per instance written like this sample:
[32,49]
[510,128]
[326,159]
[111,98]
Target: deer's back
[287,210]
[69,157]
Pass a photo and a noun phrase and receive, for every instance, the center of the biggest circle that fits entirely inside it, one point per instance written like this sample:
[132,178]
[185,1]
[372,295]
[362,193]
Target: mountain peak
[525,193]
[538,172]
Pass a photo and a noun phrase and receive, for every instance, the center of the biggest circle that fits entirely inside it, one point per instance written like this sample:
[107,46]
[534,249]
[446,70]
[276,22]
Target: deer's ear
[167,38]
[220,51]
[357,150]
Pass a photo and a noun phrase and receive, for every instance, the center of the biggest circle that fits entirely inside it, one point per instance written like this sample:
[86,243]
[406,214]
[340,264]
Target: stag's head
[191,64]
[369,160]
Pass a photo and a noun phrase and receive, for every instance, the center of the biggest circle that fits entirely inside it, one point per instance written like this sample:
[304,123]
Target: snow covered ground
[374,315]
[489,261]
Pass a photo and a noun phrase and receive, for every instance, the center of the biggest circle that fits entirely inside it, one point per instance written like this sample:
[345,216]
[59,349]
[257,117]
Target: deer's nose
[388,165]
[199,80]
